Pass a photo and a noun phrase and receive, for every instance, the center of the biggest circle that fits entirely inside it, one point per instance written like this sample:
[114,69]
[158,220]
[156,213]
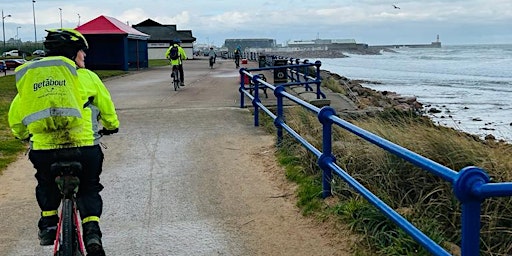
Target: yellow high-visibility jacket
[53,107]
[99,108]
[181,53]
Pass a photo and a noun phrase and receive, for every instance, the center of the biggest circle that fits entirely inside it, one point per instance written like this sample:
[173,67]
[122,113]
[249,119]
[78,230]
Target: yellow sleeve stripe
[49,213]
[91,218]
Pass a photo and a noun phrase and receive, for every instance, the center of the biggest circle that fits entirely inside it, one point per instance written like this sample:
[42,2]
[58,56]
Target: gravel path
[188,174]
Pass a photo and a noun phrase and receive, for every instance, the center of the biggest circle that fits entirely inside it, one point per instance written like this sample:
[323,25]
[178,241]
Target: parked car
[11,53]
[39,53]
[13,63]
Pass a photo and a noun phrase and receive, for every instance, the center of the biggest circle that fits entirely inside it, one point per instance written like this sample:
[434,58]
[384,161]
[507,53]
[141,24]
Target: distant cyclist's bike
[212,60]
[68,241]
[175,77]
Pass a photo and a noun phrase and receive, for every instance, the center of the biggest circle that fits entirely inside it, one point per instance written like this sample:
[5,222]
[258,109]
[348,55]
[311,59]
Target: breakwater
[431,45]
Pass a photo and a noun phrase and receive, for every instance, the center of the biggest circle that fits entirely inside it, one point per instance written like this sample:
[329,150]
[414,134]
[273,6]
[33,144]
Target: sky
[373,22]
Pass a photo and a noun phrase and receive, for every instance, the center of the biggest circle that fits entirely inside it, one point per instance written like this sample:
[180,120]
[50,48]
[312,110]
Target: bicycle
[68,241]
[175,77]
[212,60]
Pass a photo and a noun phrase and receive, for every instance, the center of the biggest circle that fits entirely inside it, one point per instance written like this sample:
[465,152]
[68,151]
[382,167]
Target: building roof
[108,25]
[160,32]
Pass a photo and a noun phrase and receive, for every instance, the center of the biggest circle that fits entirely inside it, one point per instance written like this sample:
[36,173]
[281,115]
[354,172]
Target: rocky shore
[370,100]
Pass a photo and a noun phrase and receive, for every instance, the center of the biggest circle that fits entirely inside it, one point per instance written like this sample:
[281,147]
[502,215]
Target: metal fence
[471,185]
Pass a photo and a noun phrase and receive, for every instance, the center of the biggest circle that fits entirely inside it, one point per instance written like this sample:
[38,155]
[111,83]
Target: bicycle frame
[69,236]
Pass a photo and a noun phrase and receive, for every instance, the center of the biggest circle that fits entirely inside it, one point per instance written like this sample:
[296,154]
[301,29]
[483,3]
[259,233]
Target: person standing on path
[212,56]
[237,53]
[175,54]
[59,108]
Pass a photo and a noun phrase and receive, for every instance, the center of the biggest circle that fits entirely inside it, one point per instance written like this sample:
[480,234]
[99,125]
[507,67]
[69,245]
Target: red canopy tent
[114,45]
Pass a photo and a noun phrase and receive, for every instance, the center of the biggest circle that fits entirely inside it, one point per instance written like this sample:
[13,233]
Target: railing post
[242,97]
[297,72]
[470,244]
[306,74]
[318,79]
[278,122]
[255,101]
[464,186]
[326,158]
[305,70]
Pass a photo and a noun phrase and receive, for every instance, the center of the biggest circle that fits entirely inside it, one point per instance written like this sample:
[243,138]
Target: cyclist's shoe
[47,236]
[93,247]
[182,84]
[92,239]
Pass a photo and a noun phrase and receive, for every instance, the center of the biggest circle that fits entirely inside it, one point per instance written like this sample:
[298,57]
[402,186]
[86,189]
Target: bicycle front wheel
[67,229]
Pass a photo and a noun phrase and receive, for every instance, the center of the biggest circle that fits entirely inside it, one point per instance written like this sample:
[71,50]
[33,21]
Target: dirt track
[188,174]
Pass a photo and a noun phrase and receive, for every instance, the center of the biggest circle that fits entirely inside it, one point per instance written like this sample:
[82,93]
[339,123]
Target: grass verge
[10,147]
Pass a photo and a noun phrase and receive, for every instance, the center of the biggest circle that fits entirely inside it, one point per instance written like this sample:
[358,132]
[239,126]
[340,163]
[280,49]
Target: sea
[470,84]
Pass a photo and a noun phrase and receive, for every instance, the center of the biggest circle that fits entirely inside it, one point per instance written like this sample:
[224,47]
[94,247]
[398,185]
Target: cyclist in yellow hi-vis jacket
[175,54]
[60,106]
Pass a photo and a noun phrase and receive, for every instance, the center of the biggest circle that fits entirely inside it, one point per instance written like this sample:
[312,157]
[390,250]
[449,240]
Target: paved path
[188,174]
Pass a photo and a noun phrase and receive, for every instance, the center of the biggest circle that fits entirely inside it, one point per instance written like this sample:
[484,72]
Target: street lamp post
[3,25]
[18,41]
[34,14]
[60,10]
[78,19]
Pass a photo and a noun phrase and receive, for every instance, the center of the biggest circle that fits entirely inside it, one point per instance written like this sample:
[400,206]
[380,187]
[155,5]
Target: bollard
[262,61]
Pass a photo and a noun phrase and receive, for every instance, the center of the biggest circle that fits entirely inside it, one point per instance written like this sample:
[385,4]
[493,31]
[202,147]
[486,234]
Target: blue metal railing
[470,185]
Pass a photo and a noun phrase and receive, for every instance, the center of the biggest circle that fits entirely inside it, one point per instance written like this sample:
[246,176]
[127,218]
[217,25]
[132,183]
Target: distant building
[232,44]
[269,45]
[161,37]
[114,45]
[331,44]
[301,43]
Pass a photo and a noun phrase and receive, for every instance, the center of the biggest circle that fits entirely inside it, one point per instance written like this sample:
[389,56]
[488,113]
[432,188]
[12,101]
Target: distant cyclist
[175,54]
[237,53]
[212,56]
[59,107]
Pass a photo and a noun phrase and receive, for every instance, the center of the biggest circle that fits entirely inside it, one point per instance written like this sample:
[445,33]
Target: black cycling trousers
[48,196]
[182,74]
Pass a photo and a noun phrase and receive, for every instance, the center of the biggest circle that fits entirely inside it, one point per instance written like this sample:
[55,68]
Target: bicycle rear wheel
[67,229]
[175,79]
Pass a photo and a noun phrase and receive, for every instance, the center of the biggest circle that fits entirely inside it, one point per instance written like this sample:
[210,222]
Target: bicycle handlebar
[104,131]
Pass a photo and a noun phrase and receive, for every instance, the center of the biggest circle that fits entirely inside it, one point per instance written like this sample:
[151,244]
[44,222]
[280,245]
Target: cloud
[284,19]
